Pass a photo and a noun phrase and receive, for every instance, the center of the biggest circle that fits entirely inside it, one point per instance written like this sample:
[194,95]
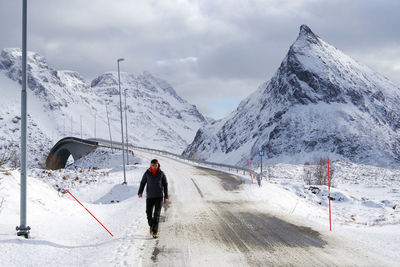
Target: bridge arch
[67,146]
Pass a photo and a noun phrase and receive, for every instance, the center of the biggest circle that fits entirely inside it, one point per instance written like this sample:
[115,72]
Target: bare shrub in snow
[307,173]
[321,172]
[4,157]
[269,173]
[15,158]
[317,173]
[1,198]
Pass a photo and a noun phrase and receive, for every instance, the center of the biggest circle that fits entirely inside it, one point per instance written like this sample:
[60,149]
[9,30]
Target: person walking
[157,189]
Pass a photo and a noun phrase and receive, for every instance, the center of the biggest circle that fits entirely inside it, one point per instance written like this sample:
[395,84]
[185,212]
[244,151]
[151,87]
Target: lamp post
[95,118]
[122,127]
[109,129]
[23,229]
[81,126]
[126,129]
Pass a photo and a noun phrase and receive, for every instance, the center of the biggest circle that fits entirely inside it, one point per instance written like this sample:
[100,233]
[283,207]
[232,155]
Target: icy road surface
[212,219]
[209,221]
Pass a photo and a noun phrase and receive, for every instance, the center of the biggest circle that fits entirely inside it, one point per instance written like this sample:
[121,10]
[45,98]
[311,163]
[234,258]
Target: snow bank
[63,233]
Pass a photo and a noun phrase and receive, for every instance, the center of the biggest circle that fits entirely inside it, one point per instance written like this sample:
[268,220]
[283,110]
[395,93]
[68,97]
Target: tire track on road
[198,189]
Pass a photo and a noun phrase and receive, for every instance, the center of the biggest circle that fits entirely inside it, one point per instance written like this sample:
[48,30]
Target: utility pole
[22,229]
[122,127]
[126,129]
[109,129]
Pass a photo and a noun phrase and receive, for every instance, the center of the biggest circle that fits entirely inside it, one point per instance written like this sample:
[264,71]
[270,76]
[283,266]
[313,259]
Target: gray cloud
[213,52]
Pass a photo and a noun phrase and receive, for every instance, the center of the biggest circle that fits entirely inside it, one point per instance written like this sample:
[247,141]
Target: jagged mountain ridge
[66,85]
[320,102]
[157,116]
[164,115]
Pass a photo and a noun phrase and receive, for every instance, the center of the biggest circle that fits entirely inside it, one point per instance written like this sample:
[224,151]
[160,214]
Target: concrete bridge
[79,148]
[67,146]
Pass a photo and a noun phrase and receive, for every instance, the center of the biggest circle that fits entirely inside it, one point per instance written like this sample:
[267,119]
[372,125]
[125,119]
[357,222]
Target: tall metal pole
[71,126]
[95,115]
[122,127]
[109,129]
[23,229]
[81,125]
[126,129]
[261,170]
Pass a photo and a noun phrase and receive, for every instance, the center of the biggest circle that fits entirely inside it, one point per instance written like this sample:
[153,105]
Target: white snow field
[212,219]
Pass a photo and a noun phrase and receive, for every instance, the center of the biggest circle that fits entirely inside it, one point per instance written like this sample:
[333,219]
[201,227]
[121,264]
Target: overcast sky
[214,53]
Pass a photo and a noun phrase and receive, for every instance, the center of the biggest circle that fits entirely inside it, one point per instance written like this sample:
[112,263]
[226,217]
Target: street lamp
[126,128]
[95,118]
[81,125]
[122,128]
[109,129]
[23,229]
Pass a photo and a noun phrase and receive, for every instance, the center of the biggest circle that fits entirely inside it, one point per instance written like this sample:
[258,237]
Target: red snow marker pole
[329,188]
[91,214]
[251,175]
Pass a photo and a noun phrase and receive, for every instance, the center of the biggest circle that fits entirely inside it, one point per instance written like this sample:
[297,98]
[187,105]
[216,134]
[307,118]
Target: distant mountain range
[157,116]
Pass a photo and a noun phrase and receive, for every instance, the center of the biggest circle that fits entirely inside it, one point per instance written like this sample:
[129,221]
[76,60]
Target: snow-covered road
[210,221]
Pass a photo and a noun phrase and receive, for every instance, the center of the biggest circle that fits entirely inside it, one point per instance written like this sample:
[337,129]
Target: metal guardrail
[107,144]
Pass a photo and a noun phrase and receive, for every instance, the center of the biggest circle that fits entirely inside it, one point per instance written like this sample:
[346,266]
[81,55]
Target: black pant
[153,220]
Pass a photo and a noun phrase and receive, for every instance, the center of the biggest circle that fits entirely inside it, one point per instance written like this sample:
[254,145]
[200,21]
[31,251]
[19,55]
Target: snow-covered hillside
[361,194]
[59,102]
[320,102]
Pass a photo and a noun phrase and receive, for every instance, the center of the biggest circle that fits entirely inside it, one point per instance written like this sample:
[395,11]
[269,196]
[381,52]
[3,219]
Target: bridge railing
[118,145]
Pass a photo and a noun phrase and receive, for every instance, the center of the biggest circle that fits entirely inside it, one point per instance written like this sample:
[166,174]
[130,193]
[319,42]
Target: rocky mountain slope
[63,103]
[320,102]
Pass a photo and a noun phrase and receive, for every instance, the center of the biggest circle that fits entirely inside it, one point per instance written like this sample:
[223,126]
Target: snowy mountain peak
[12,57]
[317,71]
[54,88]
[105,79]
[319,102]
[159,93]
[145,81]
[154,82]
[111,79]
[307,34]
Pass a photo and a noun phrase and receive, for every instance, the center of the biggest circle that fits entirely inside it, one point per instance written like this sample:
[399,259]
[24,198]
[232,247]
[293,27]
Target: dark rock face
[319,102]
[107,79]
